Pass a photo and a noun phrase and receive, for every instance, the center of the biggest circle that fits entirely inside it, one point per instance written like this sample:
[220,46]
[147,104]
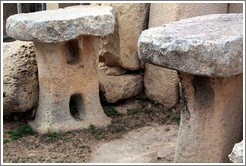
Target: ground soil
[78,146]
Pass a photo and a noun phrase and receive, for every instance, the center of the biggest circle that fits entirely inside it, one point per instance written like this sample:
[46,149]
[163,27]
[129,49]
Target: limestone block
[164,13]
[235,7]
[20,77]
[115,88]
[205,45]
[52,26]
[207,51]
[120,48]
[67,46]
[236,156]
[115,71]
[161,85]
[213,120]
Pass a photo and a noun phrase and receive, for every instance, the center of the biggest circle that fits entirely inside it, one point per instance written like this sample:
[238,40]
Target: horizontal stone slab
[210,45]
[60,25]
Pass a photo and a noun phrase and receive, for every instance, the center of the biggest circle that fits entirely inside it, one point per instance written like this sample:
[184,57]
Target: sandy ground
[142,132]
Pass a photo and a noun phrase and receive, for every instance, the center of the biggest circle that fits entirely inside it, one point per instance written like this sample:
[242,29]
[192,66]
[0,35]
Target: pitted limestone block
[208,45]
[67,44]
[60,25]
[20,77]
[208,53]
[120,48]
[119,87]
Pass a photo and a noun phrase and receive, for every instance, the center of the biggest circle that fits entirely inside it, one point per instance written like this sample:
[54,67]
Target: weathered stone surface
[20,77]
[213,120]
[200,47]
[236,156]
[64,77]
[161,85]
[165,13]
[143,145]
[11,8]
[115,71]
[207,45]
[115,88]
[120,48]
[235,7]
[60,25]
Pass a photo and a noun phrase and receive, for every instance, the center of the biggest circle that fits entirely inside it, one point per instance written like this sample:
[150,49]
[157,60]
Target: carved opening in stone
[72,52]
[76,107]
[102,59]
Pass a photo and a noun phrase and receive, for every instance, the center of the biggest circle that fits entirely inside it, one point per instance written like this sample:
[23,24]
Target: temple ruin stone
[67,43]
[207,51]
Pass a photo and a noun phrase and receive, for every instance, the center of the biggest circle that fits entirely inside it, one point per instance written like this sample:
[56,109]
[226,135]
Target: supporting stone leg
[213,120]
[68,71]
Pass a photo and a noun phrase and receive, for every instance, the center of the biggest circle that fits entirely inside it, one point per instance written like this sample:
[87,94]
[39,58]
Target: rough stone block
[161,85]
[118,87]
[20,77]
[207,45]
[120,48]
[11,8]
[53,26]
[165,13]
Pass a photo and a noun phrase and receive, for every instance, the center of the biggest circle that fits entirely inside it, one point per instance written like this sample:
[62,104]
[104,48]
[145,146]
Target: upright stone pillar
[67,45]
[208,53]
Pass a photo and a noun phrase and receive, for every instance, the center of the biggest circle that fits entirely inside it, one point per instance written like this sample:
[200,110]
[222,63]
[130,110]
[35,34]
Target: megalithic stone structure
[208,53]
[67,42]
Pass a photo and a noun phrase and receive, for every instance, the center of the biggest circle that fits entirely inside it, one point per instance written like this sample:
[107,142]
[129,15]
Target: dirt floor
[138,115]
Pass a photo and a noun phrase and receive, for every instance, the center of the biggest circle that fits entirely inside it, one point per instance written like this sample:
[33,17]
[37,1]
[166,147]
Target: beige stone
[208,53]
[20,77]
[53,6]
[213,121]
[115,71]
[164,13]
[120,48]
[161,85]
[235,7]
[115,88]
[67,64]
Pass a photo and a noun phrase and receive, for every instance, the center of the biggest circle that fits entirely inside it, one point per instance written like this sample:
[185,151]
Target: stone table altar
[208,53]
[67,42]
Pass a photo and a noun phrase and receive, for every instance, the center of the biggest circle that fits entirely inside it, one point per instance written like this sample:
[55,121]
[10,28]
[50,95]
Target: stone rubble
[236,156]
